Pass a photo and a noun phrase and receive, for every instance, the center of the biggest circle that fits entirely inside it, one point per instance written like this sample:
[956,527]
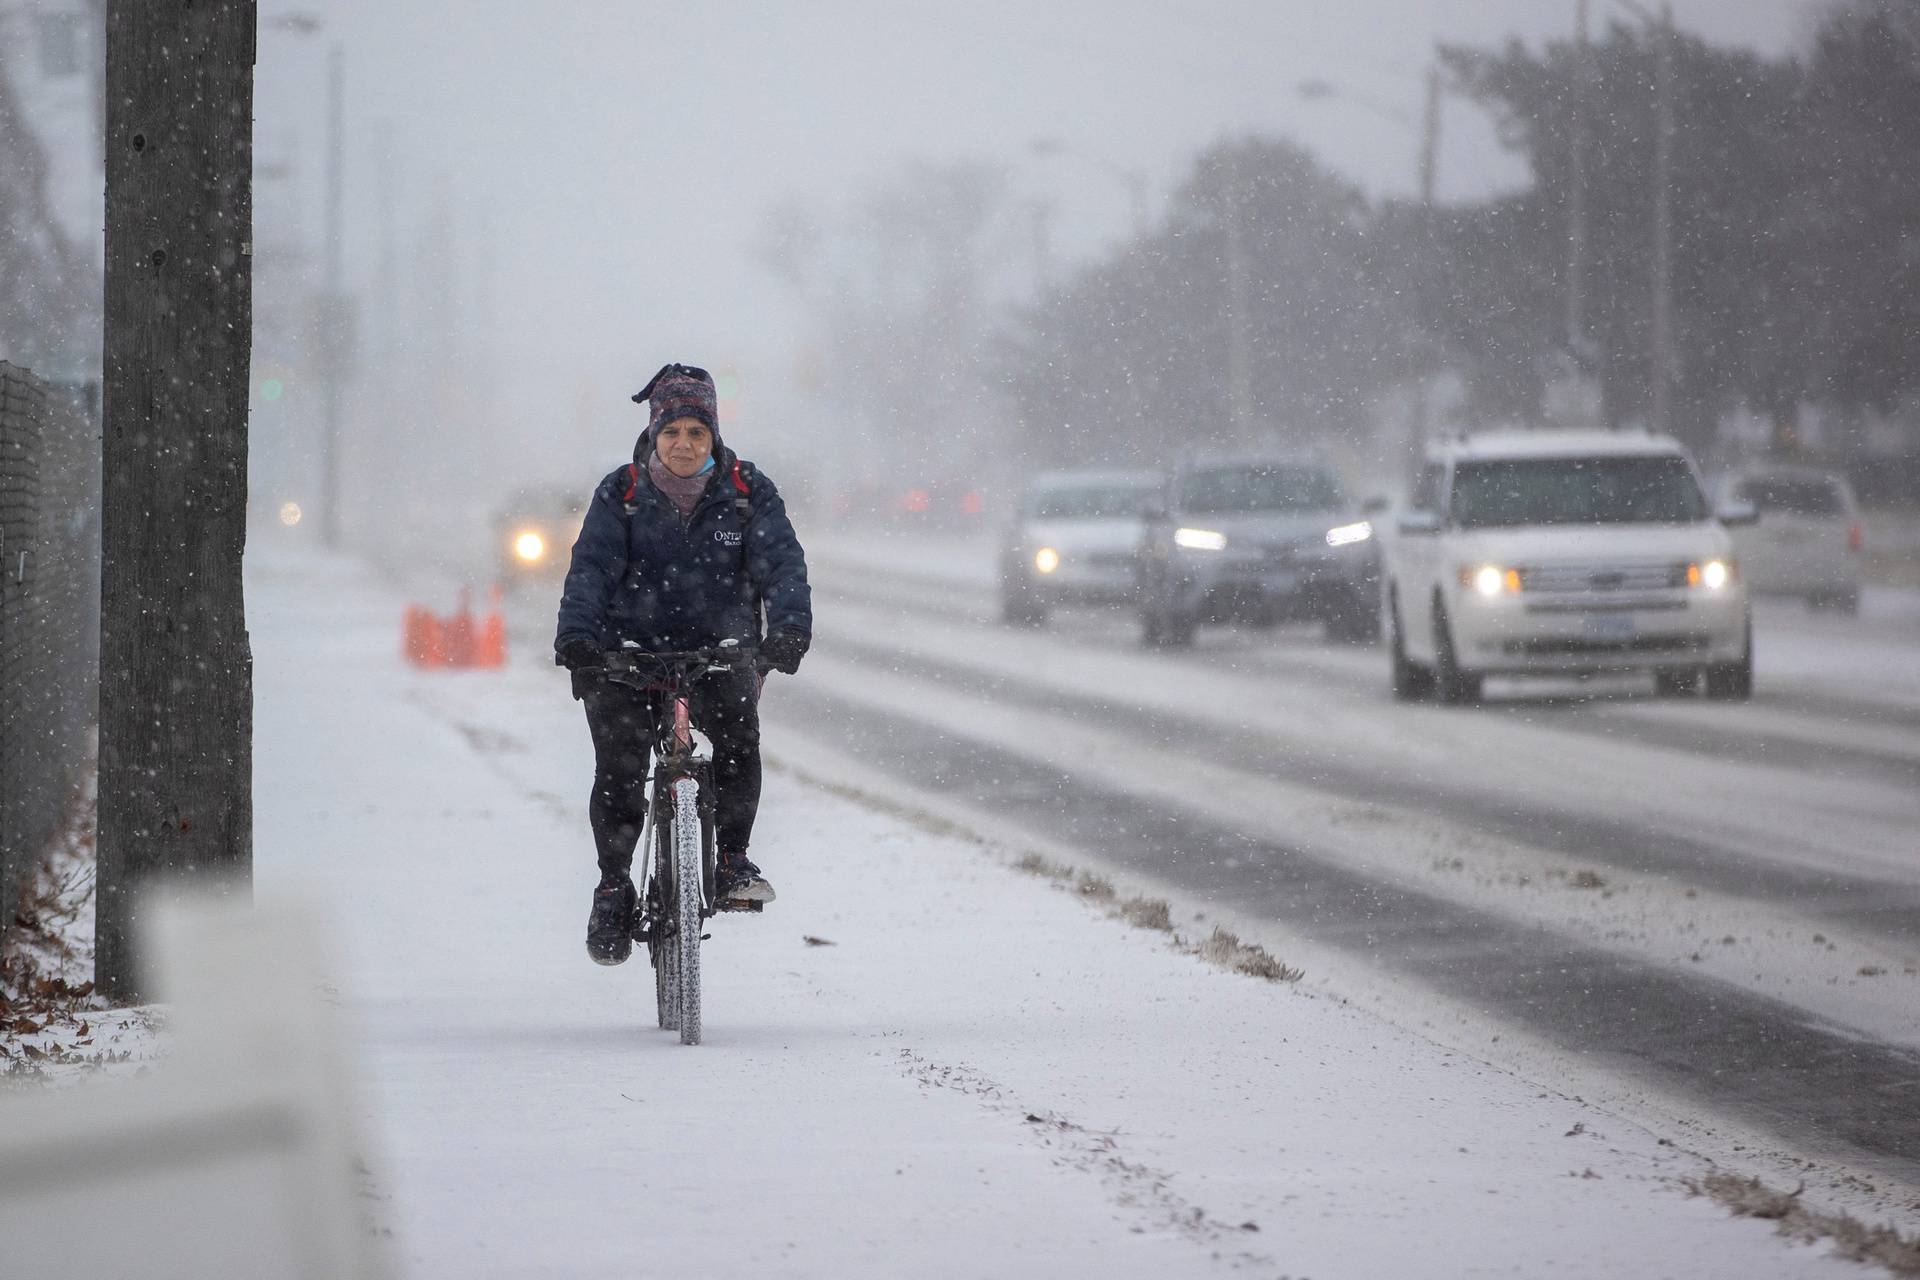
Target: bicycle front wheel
[664,943]
[687,914]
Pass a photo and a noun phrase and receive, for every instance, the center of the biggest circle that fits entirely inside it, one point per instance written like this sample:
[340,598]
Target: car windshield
[1792,495]
[1233,490]
[1089,502]
[1658,489]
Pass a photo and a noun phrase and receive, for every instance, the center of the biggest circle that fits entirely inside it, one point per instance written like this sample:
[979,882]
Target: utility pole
[176,669]
[333,319]
[1430,246]
[1660,410]
[1577,190]
[1239,341]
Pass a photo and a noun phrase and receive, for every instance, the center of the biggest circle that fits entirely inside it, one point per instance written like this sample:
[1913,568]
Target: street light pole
[1660,345]
[1577,190]
[1660,414]
[331,316]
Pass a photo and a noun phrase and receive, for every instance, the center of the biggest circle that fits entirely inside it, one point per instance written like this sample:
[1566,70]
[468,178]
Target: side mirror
[1738,513]
[1374,505]
[1417,523]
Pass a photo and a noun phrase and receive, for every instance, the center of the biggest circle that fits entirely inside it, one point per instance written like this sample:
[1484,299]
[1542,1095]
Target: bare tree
[176,670]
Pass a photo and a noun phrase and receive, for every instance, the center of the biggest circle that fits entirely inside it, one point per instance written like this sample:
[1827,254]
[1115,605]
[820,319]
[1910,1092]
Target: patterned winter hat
[681,391]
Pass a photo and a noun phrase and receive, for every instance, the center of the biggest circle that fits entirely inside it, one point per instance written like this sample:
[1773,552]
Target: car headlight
[1046,560]
[529,546]
[1200,539]
[1714,575]
[1490,580]
[1348,534]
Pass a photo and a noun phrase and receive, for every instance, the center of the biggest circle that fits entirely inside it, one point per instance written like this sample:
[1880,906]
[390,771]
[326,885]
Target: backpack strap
[742,477]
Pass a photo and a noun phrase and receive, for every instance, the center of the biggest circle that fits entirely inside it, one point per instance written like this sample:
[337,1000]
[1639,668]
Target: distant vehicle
[1260,540]
[1074,540]
[1809,539]
[1565,553]
[533,532]
[931,506]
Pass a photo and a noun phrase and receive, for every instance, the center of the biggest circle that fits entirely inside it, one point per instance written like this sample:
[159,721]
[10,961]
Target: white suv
[1565,553]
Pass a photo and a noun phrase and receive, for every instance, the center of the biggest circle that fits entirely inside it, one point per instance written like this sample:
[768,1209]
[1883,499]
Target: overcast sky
[620,155]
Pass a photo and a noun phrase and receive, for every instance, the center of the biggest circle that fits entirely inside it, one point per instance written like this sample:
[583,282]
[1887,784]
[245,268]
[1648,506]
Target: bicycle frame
[680,796]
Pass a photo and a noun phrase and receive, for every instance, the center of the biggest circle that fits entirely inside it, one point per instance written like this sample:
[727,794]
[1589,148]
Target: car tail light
[1855,538]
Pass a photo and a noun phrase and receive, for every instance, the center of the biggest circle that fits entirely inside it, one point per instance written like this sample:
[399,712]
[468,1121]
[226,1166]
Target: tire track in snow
[1129,1184]
[1827,1091]
[1888,910]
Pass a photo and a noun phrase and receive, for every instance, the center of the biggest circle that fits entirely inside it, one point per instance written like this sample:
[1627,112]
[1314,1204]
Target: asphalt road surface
[1720,901]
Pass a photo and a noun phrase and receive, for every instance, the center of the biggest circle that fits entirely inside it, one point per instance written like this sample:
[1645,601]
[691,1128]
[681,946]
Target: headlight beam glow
[1200,539]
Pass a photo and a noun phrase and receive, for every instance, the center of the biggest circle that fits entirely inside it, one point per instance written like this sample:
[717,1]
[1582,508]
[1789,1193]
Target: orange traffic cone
[413,635]
[460,633]
[436,642]
[491,648]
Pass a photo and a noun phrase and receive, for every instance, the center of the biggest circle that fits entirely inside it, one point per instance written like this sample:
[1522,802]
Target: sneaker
[610,927]
[736,879]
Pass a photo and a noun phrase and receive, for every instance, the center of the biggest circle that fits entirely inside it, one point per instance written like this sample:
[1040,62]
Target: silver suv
[1074,540]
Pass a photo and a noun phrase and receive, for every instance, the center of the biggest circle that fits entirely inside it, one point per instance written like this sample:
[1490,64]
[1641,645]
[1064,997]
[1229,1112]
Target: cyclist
[680,550]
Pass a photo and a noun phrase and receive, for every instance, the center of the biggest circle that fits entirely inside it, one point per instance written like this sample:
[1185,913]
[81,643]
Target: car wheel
[1675,684]
[1411,681]
[1451,685]
[1733,681]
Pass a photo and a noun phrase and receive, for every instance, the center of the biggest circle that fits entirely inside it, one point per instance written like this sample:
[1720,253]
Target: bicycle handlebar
[642,669]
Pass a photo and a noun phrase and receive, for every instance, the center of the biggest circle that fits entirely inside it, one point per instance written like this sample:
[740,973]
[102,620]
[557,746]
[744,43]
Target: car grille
[1108,559]
[1603,577]
[1573,647]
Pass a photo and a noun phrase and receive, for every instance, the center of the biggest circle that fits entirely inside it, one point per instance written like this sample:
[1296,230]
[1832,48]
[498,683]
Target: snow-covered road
[980,1075]
[1717,903]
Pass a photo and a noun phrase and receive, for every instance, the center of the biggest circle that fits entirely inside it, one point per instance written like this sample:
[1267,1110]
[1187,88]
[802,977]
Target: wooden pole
[176,669]
[1661,342]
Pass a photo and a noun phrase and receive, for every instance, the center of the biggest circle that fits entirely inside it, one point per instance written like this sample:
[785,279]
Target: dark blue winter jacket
[640,573]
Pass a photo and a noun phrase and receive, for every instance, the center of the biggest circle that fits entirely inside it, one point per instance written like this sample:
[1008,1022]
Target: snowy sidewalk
[979,1077]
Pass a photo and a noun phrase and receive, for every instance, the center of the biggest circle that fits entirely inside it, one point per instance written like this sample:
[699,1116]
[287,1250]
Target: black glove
[581,655]
[782,650]
[586,681]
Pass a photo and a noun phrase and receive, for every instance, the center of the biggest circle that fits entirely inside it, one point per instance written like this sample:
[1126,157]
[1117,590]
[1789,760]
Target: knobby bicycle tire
[686,906]
[666,943]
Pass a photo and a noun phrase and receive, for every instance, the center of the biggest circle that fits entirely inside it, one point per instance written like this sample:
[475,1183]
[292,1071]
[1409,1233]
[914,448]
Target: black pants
[725,707]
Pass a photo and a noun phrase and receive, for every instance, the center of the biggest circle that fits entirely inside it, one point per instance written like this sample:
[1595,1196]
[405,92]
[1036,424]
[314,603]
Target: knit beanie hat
[681,391]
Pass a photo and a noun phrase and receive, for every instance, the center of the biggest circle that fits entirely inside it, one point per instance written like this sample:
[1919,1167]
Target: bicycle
[677,896]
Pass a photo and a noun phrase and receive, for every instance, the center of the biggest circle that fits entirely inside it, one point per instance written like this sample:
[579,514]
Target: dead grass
[1094,888]
[1852,1239]
[1147,913]
[1035,865]
[1227,951]
[1222,949]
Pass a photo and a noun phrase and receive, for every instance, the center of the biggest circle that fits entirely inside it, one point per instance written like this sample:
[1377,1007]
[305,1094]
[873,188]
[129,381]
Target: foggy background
[572,195]
[921,244]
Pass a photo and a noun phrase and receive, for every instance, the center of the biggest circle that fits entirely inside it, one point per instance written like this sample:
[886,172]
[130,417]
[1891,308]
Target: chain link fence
[49,613]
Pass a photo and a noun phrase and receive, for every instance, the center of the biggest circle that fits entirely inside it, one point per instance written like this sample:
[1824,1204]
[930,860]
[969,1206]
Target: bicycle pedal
[741,904]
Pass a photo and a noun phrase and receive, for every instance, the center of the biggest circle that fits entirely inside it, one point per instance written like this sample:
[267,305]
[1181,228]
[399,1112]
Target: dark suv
[1259,540]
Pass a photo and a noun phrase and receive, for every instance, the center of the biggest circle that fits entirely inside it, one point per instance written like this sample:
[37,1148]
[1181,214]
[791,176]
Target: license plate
[1609,626]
